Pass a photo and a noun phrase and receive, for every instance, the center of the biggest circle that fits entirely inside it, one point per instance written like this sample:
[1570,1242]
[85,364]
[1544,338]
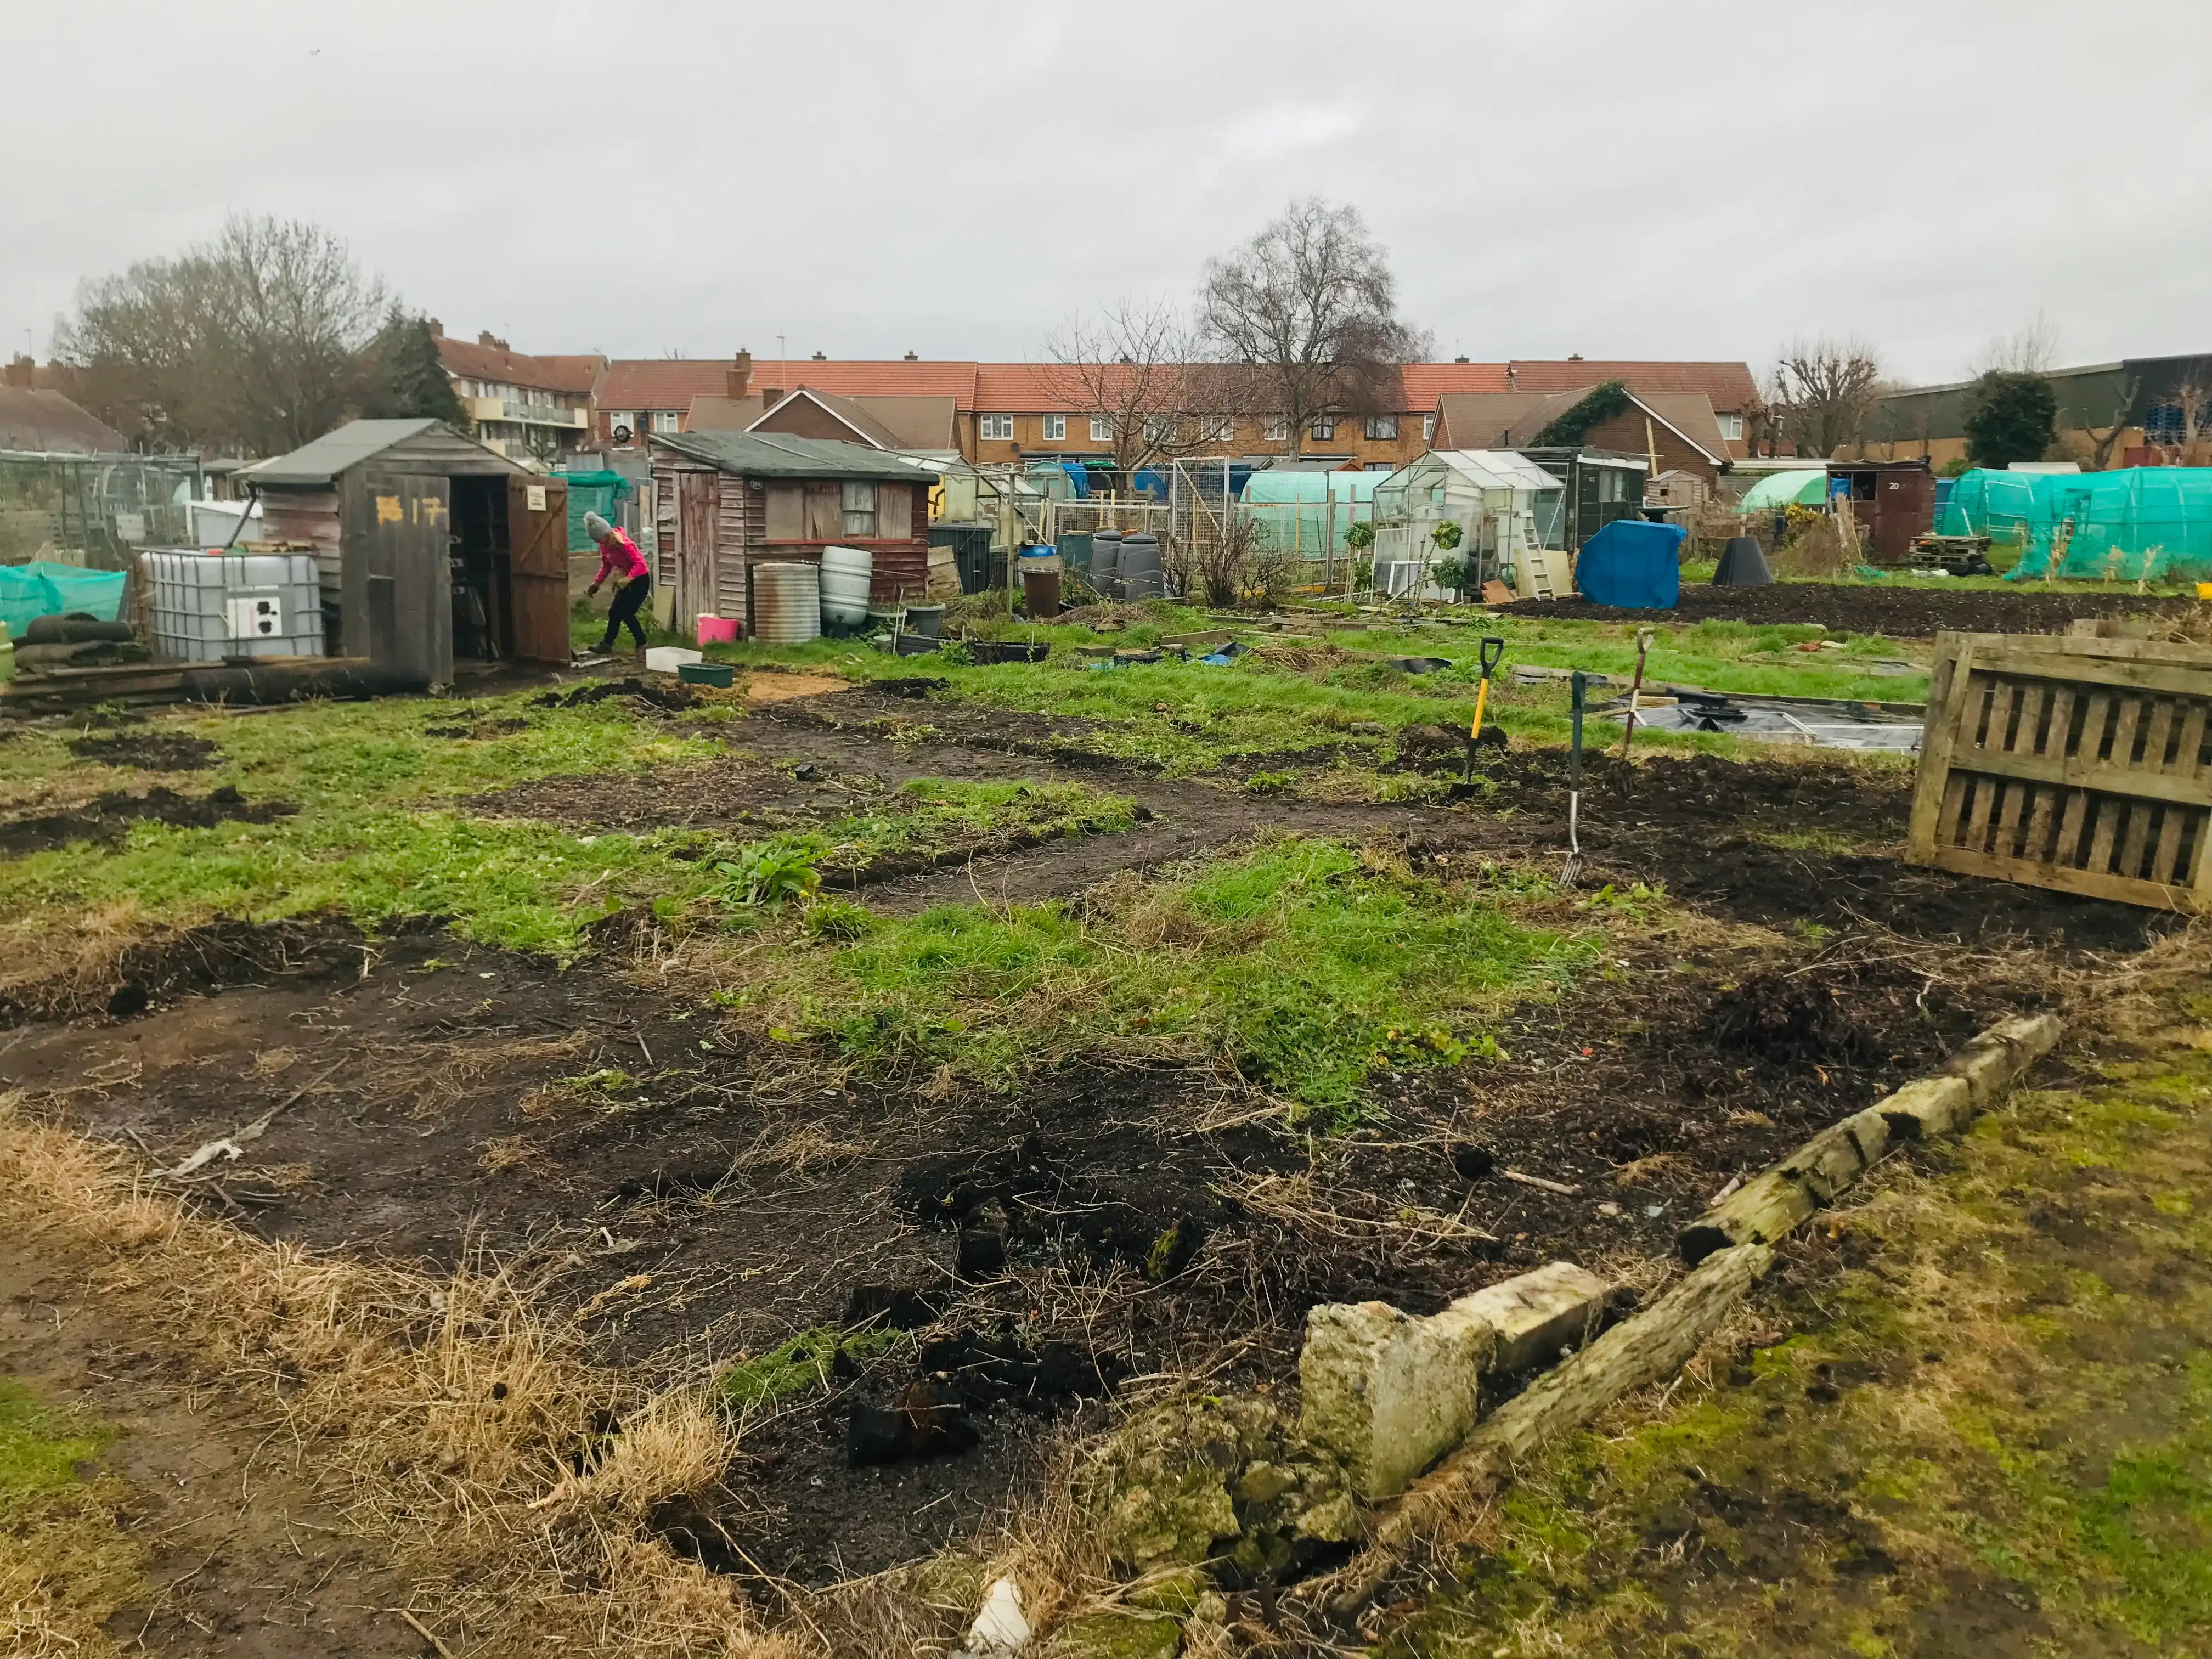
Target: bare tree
[2102,443]
[1136,370]
[1311,305]
[256,341]
[2030,349]
[1823,391]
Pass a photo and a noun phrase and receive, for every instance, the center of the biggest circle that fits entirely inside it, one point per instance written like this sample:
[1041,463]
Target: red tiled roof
[634,383]
[1424,383]
[497,364]
[863,377]
[45,420]
[1729,386]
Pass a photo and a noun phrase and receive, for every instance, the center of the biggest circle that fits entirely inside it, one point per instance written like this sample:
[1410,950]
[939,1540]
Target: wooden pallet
[2070,762]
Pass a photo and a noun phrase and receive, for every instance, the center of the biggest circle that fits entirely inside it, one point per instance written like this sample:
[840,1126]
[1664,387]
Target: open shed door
[401,530]
[537,567]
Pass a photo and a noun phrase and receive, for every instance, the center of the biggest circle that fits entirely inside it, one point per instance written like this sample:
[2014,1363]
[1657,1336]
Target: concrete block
[1927,1108]
[1388,1393]
[1537,1314]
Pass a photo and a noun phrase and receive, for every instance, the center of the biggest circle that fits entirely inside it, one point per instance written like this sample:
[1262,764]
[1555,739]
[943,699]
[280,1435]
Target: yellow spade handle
[1481,697]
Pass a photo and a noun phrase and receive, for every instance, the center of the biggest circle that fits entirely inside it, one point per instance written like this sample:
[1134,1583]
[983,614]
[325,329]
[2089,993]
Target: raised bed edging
[1729,1249]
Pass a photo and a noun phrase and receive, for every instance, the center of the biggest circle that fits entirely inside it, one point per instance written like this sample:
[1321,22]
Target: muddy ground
[1899,611]
[687,1196]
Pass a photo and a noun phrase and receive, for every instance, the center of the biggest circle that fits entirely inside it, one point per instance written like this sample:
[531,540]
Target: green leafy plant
[954,654]
[1447,535]
[837,919]
[772,872]
[1601,405]
[1450,574]
[1359,536]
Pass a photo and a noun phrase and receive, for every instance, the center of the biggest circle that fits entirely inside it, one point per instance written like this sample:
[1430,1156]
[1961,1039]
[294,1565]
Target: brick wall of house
[1249,437]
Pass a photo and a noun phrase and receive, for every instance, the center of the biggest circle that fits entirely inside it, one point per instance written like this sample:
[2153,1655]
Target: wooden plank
[2188,758]
[1950,823]
[2069,827]
[2165,860]
[2179,680]
[2096,716]
[2123,751]
[1976,834]
[1932,805]
[2038,843]
[2106,822]
[2002,695]
[2014,803]
[2135,838]
[2059,723]
[786,513]
[2157,896]
[2157,734]
[2103,776]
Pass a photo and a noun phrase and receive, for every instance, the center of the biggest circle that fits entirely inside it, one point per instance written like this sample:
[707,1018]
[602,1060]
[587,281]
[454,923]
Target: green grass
[41,1448]
[1297,963]
[1974,1410]
[65,1564]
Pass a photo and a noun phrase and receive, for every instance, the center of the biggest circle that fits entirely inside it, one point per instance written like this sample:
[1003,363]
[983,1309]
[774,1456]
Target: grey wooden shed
[470,547]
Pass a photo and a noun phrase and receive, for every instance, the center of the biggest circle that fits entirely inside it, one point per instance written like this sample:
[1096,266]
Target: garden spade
[1572,873]
[1493,651]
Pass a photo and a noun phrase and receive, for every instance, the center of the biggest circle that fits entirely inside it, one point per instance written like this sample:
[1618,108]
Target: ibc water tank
[787,603]
[845,575]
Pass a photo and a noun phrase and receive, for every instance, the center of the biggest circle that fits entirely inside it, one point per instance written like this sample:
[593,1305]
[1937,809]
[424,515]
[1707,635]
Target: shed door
[698,495]
[404,531]
[538,566]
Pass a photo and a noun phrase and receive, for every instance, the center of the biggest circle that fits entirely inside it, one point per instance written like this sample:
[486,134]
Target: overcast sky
[1617,178]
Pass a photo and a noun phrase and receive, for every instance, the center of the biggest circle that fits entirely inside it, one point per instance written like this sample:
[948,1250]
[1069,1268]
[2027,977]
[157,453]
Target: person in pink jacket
[619,558]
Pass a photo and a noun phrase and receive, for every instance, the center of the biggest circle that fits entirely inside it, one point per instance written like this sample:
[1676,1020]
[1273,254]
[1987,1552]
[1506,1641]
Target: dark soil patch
[1899,611]
[109,817]
[481,729]
[672,696]
[149,751]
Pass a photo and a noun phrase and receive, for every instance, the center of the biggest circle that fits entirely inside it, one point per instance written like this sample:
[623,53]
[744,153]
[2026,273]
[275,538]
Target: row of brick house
[1693,416]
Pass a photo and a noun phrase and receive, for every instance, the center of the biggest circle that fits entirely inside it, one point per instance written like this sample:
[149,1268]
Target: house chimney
[910,358]
[22,372]
[740,374]
[437,329]
[486,337]
[1463,358]
[771,396]
[1574,356]
[821,356]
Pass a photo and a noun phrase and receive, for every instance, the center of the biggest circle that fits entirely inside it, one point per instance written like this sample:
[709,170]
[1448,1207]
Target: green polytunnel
[2132,523]
[1308,512]
[1799,487]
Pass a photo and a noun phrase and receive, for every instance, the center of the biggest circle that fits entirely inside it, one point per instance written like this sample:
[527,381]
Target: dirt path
[240,1559]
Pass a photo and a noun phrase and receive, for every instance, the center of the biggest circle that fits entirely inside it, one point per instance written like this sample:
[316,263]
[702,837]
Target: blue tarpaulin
[42,588]
[1632,563]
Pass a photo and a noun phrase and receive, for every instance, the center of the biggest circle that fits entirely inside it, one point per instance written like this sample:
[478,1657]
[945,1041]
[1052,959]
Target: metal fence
[94,510]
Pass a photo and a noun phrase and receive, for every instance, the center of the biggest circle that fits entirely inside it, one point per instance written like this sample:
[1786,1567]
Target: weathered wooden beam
[1640,1350]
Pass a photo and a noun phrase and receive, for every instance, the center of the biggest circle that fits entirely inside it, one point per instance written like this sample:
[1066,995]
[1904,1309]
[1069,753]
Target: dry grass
[446,1419]
[65,964]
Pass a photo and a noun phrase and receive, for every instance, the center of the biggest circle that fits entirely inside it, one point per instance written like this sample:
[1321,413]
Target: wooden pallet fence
[2076,762]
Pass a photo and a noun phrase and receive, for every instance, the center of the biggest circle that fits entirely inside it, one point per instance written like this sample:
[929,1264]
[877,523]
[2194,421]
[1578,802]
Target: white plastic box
[202,607]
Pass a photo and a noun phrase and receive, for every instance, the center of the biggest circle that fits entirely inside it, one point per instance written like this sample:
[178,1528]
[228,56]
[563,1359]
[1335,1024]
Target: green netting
[42,588]
[1296,512]
[592,492]
[2136,523]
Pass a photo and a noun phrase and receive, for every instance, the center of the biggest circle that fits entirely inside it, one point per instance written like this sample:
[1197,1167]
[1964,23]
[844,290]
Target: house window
[1383,428]
[860,510]
[1053,427]
[997,426]
[1221,429]
[1159,428]
[1323,427]
[1278,430]
[1102,430]
[618,418]
[1731,427]
[664,420]
[1428,428]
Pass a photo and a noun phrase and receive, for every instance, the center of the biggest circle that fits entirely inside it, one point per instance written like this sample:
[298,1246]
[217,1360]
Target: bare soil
[689,1198]
[107,818]
[1901,611]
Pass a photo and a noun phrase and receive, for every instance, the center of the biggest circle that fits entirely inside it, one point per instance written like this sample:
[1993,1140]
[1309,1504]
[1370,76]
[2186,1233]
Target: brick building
[524,406]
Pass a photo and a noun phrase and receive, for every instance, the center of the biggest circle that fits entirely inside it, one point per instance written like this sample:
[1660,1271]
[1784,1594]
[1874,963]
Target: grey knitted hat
[595,526]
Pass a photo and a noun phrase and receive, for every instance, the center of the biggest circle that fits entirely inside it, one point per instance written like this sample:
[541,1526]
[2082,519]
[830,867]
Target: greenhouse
[2133,524]
[1306,513]
[93,509]
[1502,504]
[1799,487]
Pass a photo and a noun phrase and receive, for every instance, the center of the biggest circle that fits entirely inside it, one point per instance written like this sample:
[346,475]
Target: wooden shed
[474,547]
[724,501]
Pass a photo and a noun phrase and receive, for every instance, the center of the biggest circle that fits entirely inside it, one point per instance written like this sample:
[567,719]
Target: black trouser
[629,598]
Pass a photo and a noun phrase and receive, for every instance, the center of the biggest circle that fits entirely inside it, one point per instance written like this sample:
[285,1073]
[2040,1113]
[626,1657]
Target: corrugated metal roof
[320,461]
[781,455]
